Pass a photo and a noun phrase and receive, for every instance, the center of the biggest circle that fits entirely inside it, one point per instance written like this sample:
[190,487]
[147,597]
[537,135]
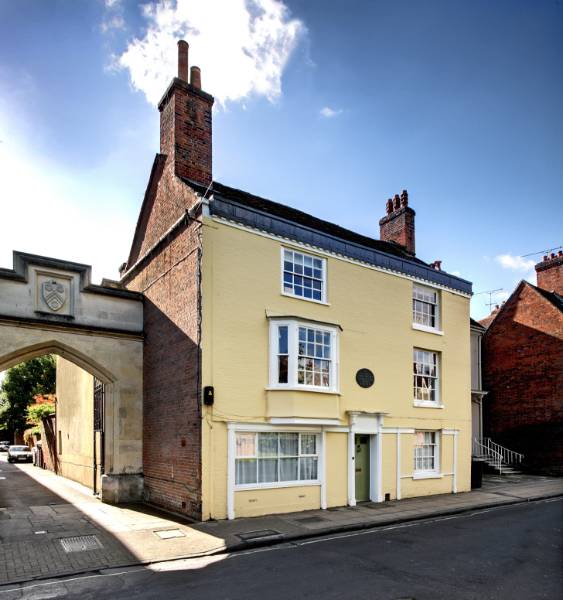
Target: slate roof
[285,221]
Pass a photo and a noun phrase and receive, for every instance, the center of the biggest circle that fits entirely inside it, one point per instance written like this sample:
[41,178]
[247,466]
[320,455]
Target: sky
[330,106]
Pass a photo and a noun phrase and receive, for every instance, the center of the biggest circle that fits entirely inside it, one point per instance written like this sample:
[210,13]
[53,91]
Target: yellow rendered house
[336,368]
[289,363]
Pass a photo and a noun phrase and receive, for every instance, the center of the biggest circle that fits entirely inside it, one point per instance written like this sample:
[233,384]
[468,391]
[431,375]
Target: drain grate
[81,543]
[260,534]
[167,534]
[308,520]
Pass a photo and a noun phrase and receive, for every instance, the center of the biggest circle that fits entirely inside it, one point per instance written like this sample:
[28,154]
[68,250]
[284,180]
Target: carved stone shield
[54,294]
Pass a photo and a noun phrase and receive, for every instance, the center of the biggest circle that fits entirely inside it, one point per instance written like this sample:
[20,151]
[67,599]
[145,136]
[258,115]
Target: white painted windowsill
[288,295]
[427,329]
[420,404]
[427,475]
[301,388]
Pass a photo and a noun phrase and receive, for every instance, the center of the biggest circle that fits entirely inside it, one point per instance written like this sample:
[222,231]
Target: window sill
[427,329]
[302,388]
[427,475]
[277,484]
[306,299]
[419,404]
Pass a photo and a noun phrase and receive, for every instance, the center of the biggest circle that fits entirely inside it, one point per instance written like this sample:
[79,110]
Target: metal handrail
[495,454]
[509,456]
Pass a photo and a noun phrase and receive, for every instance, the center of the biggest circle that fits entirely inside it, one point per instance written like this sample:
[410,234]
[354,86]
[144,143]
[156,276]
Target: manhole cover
[255,535]
[80,543]
[166,534]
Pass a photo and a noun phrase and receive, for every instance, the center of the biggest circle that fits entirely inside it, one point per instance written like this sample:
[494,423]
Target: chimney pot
[389,206]
[195,77]
[397,202]
[183,60]
[405,198]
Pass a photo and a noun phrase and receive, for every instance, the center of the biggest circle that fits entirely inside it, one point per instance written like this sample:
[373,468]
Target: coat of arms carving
[54,294]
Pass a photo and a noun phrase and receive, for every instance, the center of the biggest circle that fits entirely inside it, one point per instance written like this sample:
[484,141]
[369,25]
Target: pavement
[42,514]
[512,552]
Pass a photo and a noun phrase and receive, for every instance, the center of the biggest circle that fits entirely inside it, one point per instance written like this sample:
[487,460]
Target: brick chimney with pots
[549,273]
[186,123]
[398,225]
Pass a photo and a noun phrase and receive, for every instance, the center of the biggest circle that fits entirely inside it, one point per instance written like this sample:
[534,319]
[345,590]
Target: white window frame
[324,279]
[428,473]
[437,402]
[293,326]
[438,309]
[282,484]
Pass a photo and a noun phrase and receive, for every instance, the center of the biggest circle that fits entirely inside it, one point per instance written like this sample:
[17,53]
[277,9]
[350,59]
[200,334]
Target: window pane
[245,444]
[288,469]
[289,444]
[245,471]
[282,369]
[267,470]
[308,468]
[282,339]
[267,444]
[308,443]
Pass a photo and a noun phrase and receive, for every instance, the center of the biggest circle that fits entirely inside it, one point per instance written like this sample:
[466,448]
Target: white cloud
[241,46]
[456,273]
[329,113]
[515,263]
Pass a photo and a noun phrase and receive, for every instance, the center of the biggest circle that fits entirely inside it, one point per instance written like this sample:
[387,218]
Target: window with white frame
[303,355]
[426,376]
[276,457]
[304,275]
[425,307]
[426,451]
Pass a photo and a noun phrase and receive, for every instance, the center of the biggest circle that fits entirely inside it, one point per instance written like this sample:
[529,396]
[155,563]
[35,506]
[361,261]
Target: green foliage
[20,385]
[36,412]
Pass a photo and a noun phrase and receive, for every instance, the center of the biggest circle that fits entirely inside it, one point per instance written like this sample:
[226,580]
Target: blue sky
[328,106]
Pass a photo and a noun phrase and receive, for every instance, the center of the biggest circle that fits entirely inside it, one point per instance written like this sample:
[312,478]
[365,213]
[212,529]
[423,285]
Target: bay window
[276,458]
[303,355]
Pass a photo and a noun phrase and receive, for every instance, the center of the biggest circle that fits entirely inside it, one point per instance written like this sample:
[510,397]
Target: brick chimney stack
[549,272]
[398,225]
[186,123]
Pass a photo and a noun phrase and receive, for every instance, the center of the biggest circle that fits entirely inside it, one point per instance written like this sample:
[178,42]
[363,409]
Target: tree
[20,385]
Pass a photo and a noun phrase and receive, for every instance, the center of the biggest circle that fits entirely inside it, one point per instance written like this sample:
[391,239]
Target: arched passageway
[99,329]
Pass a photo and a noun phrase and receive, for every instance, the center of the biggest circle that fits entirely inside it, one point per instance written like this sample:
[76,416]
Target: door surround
[365,423]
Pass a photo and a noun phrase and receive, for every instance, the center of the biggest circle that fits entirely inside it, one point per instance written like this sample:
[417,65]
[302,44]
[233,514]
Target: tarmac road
[513,552]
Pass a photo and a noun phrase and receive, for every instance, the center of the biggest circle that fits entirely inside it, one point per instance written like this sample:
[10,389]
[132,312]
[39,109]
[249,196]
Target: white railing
[496,455]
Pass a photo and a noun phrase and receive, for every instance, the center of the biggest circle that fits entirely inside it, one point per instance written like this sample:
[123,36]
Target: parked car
[19,454]
[4,446]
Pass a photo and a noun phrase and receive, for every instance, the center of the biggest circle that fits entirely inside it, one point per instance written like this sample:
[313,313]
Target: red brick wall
[523,372]
[186,132]
[169,280]
[550,273]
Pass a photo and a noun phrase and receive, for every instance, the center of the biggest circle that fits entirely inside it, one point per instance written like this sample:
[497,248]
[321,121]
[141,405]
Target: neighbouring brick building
[523,369]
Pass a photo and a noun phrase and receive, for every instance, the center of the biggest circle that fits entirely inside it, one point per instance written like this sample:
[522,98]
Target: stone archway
[98,328]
